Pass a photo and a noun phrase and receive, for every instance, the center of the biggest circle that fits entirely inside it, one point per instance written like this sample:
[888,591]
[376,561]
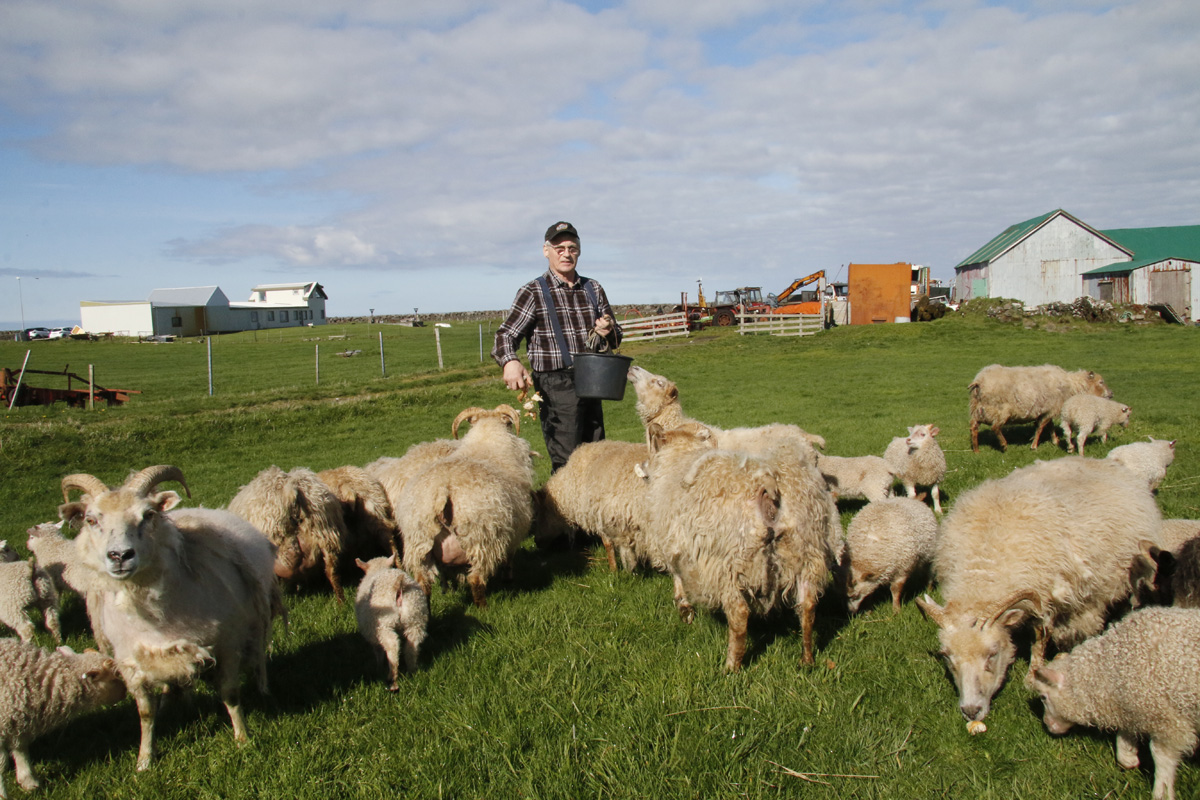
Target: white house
[200,310]
[1058,258]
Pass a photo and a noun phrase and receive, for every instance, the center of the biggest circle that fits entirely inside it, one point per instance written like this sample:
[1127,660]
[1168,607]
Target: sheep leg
[50,615]
[1166,760]
[806,608]
[147,707]
[334,580]
[1127,752]
[478,587]
[686,612]
[610,552]
[25,777]
[411,653]
[975,436]
[1082,442]
[997,430]
[937,498]
[897,590]
[389,642]
[737,614]
[1037,434]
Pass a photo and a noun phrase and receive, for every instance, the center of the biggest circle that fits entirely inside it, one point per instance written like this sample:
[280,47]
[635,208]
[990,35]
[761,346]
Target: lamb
[1140,680]
[886,543]
[1052,543]
[41,690]
[24,585]
[366,510]
[918,460]
[715,511]
[56,554]
[392,613]
[472,508]
[599,492]
[1148,460]
[999,395]
[1088,413]
[868,477]
[179,590]
[301,517]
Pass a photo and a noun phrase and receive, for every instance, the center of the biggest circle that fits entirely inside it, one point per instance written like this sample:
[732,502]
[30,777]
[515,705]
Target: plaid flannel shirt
[527,320]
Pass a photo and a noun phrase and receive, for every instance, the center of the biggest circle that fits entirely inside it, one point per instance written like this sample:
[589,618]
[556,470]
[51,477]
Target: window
[176,322]
[270,316]
[283,316]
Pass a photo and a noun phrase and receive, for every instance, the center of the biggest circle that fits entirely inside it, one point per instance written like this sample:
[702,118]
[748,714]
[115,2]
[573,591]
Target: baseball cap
[561,229]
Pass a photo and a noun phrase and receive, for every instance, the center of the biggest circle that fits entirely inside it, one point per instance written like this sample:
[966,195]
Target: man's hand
[604,326]
[516,377]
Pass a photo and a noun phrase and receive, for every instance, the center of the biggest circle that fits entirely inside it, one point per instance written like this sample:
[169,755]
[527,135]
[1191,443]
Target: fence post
[20,378]
[91,388]
[481,343]
[317,362]
[382,363]
[437,337]
[208,343]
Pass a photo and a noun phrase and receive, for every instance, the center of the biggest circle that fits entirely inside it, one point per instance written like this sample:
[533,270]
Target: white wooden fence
[661,326]
[780,324]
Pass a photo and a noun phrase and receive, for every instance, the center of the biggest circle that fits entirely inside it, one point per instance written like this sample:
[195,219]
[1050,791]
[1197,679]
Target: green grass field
[576,682]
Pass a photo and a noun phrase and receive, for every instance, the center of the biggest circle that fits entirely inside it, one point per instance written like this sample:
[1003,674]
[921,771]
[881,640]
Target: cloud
[295,246]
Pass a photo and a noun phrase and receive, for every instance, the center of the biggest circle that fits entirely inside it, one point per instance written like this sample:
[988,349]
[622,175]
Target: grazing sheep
[366,510]
[472,508]
[41,690]
[808,527]
[301,517]
[24,585]
[1148,460]
[715,511]
[179,590]
[887,542]
[1052,543]
[853,477]
[1140,679]
[918,460]
[392,613]
[597,491]
[1000,395]
[1087,413]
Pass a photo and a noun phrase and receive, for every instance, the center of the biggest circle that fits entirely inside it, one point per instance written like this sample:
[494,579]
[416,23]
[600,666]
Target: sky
[412,154]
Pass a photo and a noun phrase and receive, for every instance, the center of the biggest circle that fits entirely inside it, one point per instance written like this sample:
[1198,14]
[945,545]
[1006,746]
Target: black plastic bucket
[601,375]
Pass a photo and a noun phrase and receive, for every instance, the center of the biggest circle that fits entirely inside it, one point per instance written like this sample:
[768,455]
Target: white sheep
[472,508]
[715,511]
[366,510]
[41,690]
[1148,460]
[301,517]
[56,554]
[1141,679]
[25,586]
[887,542]
[918,460]
[999,395]
[598,491]
[393,473]
[392,613]
[857,477]
[1052,543]
[808,527]
[180,590]
[1087,413]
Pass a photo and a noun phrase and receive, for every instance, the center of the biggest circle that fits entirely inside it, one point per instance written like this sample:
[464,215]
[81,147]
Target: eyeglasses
[565,250]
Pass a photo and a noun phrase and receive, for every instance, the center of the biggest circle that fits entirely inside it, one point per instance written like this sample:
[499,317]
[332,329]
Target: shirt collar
[554,276]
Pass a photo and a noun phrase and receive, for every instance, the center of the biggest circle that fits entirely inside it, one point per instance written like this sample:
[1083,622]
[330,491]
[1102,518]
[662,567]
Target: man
[582,307]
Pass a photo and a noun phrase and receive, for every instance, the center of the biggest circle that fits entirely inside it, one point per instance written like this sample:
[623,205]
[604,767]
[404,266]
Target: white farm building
[201,310]
[1058,258]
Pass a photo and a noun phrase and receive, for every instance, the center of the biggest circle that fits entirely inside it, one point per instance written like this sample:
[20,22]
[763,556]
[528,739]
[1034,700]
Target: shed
[1162,271]
[880,292]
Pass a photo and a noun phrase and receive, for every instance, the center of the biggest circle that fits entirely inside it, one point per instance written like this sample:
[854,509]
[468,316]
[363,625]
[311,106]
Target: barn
[1056,257]
[200,310]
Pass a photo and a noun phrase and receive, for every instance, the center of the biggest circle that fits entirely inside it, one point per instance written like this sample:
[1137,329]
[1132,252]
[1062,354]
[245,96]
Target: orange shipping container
[879,292]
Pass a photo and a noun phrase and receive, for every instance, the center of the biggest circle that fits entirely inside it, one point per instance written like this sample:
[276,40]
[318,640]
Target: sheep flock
[1046,560]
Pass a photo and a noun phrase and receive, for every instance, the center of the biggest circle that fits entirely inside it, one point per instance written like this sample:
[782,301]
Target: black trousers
[567,421]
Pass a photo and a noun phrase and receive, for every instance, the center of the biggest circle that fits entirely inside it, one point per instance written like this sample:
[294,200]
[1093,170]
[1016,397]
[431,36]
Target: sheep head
[474,415]
[654,393]
[979,650]
[1050,683]
[1095,384]
[123,528]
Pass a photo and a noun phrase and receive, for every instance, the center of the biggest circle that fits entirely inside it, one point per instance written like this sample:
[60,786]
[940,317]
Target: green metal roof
[1010,236]
[1152,245]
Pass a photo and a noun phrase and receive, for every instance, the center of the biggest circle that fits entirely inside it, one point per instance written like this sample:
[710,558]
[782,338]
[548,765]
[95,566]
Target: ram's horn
[88,484]
[513,415]
[1032,598]
[462,415]
[146,480]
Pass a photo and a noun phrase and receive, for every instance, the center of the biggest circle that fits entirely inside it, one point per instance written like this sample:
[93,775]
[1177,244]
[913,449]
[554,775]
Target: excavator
[805,302]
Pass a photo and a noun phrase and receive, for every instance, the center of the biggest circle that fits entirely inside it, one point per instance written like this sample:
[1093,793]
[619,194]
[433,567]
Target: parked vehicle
[36,333]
